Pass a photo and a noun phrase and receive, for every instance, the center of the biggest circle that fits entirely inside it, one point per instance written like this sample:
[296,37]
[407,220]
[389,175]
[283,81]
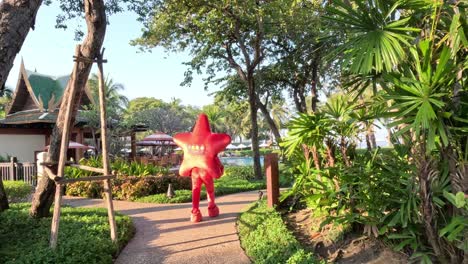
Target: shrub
[85,189]
[266,239]
[121,167]
[83,237]
[224,185]
[130,187]
[239,172]
[17,190]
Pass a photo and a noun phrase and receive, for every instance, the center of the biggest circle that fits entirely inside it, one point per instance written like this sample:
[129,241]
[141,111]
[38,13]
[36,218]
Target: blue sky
[156,74]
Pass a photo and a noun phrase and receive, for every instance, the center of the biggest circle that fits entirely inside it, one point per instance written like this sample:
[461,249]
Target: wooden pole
[105,153]
[13,174]
[272,176]
[133,145]
[63,153]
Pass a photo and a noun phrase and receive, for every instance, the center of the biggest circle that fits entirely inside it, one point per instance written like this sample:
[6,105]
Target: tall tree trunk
[96,22]
[299,98]
[269,120]
[425,173]
[389,137]
[344,152]
[254,132]
[16,18]
[314,91]
[330,152]
[3,198]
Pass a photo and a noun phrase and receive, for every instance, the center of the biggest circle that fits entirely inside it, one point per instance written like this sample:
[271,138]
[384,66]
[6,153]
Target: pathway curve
[164,233]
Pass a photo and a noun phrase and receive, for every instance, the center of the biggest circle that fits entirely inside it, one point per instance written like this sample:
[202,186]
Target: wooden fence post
[13,175]
[272,177]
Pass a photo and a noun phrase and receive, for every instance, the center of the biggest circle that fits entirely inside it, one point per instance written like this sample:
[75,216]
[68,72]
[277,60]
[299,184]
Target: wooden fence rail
[17,171]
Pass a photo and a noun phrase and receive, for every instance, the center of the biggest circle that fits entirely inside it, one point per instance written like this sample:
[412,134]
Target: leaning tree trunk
[3,198]
[254,132]
[315,79]
[269,120]
[16,18]
[96,22]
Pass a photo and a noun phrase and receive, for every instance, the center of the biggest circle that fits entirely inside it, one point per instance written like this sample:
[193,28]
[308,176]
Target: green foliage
[121,167]
[167,117]
[83,237]
[224,185]
[181,196]
[266,239]
[130,187]
[239,172]
[17,190]
[134,168]
[249,152]
[377,36]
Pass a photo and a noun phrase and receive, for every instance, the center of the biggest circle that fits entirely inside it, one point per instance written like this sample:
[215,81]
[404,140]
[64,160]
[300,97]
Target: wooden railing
[16,171]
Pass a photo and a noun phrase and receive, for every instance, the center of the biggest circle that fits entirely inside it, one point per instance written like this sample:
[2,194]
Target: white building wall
[21,146]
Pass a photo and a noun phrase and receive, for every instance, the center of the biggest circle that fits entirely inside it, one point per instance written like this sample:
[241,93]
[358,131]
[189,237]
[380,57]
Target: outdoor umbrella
[242,146]
[231,146]
[157,139]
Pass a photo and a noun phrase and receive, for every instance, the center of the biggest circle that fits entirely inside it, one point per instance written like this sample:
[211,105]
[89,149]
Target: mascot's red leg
[196,215]
[213,210]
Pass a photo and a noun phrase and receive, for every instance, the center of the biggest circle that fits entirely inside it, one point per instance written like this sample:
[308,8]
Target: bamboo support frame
[105,145]
[88,168]
[92,178]
[59,179]
[63,154]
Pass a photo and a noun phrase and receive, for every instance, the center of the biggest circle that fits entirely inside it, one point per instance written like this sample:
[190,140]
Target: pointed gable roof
[35,91]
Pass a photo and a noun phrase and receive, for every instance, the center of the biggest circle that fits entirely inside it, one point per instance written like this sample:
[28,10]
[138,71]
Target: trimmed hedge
[130,187]
[239,172]
[266,239]
[224,185]
[17,191]
[83,237]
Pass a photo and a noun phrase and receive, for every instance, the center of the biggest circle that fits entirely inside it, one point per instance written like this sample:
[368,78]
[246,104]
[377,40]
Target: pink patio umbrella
[157,139]
[161,143]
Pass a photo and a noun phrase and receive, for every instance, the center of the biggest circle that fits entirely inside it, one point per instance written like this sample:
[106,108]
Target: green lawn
[84,236]
[224,185]
[266,239]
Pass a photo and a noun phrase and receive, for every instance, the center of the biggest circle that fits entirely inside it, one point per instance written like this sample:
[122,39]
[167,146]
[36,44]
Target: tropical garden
[317,78]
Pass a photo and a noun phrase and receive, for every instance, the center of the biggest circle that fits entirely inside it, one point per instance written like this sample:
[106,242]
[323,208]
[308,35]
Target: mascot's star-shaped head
[201,148]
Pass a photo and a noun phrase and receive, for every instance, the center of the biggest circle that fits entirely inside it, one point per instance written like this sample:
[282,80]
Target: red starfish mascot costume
[201,162]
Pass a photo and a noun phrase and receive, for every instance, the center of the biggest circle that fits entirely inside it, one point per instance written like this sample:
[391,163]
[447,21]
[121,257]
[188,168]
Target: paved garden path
[164,233]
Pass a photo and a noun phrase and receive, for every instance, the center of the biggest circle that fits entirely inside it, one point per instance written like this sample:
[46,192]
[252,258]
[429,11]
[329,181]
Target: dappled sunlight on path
[164,233]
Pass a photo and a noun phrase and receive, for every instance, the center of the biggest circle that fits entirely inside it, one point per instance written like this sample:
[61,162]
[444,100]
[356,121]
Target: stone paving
[164,233]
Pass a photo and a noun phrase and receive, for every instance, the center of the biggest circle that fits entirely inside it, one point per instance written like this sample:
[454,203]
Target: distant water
[239,161]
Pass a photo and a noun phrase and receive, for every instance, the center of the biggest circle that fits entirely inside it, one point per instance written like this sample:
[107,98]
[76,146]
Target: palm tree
[116,104]
[421,76]
[114,99]
[5,98]
[216,115]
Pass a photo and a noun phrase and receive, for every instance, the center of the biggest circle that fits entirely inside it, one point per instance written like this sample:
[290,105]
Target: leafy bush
[266,239]
[249,152]
[17,190]
[121,167]
[130,187]
[239,172]
[224,185]
[83,237]
[134,168]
